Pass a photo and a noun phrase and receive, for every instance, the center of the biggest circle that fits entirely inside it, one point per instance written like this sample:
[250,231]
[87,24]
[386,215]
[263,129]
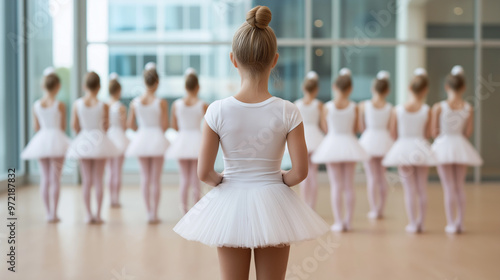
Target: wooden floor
[127,248]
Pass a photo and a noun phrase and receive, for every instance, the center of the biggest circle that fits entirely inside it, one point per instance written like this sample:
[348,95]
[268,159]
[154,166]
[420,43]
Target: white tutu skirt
[47,143]
[242,215]
[92,144]
[339,148]
[148,142]
[186,145]
[376,142]
[410,151]
[314,136]
[119,138]
[455,149]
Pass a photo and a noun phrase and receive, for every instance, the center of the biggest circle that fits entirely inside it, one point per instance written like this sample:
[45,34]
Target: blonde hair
[92,81]
[254,43]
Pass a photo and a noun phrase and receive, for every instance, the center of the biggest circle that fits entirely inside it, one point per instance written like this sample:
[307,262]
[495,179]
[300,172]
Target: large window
[10,102]
[322,35]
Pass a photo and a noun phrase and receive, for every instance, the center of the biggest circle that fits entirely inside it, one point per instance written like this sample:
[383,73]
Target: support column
[411,25]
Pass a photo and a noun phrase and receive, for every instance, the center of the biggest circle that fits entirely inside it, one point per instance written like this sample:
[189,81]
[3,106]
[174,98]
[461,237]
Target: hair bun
[113,76]
[345,72]
[420,72]
[49,70]
[149,66]
[312,75]
[383,75]
[457,70]
[259,17]
[190,71]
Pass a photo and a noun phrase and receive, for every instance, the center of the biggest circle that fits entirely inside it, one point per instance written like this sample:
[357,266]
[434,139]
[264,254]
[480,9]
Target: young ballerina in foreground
[311,108]
[116,132]
[340,150]
[374,117]
[411,153]
[452,124]
[252,206]
[89,119]
[187,114]
[149,116]
[49,144]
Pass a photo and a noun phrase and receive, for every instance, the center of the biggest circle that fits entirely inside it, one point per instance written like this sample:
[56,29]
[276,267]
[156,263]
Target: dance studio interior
[108,110]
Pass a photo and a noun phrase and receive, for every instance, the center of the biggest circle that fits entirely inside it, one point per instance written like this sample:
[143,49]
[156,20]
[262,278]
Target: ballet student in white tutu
[187,114]
[374,117]
[251,205]
[89,120]
[340,150]
[148,115]
[411,153]
[50,143]
[116,132]
[311,108]
[452,124]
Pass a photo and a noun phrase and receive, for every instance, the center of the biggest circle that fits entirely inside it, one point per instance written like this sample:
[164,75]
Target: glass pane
[322,15]
[194,18]
[288,19]
[50,47]
[490,99]
[448,18]
[491,20]
[10,142]
[123,64]
[173,18]
[148,19]
[122,18]
[174,64]
[364,65]
[367,19]
[287,76]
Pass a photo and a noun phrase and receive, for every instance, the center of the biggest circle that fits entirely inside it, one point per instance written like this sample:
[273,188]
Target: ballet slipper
[154,221]
[347,227]
[53,220]
[89,220]
[372,215]
[337,227]
[98,221]
[452,229]
[412,228]
[115,205]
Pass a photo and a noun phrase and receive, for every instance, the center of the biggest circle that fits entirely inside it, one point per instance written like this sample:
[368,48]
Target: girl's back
[253,136]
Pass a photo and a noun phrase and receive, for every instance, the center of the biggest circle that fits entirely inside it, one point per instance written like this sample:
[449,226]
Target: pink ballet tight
[341,176]
[189,177]
[453,179]
[50,184]
[377,186]
[151,168]
[92,175]
[115,179]
[414,179]
[309,187]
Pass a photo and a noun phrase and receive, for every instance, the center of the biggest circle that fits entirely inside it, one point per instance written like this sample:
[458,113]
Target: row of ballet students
[390,136]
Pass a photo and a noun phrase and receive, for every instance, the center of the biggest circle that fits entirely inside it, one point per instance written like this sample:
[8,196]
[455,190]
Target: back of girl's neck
[308,97]
[90,95]
[454,97]
[49,96]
